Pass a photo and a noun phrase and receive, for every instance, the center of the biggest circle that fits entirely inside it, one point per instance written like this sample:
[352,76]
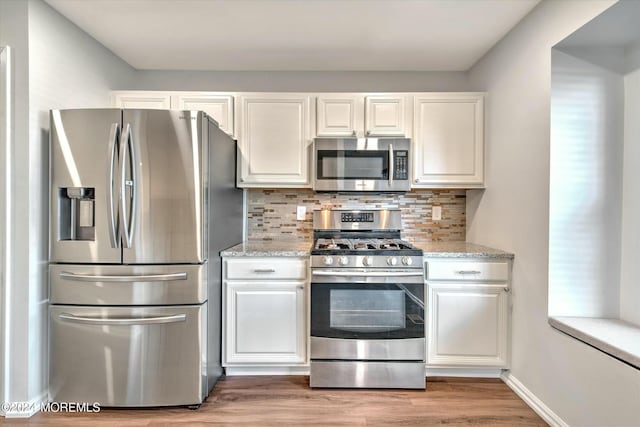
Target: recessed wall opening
[594,206]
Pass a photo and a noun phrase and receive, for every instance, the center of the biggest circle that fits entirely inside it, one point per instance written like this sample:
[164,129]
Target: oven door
[353,164]
[365,315]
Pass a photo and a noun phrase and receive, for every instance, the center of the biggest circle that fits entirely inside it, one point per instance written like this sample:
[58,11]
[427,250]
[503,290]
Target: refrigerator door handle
[127,152]
[123,278]
[111,213]
[123,321]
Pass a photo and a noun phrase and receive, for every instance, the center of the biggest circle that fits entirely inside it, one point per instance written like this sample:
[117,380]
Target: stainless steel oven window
[367,311]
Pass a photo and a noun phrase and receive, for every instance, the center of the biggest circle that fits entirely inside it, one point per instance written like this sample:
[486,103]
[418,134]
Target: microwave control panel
[400,167]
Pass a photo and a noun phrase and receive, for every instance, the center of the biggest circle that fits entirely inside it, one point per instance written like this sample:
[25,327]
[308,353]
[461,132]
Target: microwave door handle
[391,162]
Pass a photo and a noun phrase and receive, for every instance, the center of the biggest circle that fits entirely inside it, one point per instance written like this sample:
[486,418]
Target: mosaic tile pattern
[271,214]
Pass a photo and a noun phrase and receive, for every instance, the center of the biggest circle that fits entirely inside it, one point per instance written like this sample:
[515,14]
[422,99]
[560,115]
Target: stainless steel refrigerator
[142,202]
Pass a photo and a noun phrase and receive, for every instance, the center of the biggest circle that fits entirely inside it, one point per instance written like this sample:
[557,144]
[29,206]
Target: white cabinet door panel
[256,325]
[142,100]
[264,323]
[385,116]
[220,107]
[448,140]
[274,140]
[339,115]
[467,325]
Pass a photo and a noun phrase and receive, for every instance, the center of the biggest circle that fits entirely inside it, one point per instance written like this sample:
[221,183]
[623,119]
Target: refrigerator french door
[139,200]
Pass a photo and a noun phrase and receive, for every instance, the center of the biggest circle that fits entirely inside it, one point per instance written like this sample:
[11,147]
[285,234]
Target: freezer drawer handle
[113,278]
[124,321]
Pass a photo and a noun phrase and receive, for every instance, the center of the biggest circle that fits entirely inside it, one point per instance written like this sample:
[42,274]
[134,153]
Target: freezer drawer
[128,356]
[128,284]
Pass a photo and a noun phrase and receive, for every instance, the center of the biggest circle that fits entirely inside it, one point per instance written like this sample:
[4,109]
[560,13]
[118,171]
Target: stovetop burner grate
[362,244]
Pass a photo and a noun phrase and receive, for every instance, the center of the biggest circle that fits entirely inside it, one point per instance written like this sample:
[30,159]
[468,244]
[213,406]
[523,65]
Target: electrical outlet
[301,212]
[436,213]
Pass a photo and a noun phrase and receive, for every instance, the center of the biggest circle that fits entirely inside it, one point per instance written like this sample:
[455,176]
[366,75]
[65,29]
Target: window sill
[615,337]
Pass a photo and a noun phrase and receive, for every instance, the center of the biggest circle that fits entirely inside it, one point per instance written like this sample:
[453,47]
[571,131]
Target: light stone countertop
[301,248]
[267,248]
[460,250]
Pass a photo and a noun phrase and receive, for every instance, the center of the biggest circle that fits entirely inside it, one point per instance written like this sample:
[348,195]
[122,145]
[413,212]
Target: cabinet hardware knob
[506,289]
[300,287]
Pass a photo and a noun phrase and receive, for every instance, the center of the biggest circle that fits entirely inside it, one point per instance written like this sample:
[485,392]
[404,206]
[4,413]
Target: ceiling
[297,35]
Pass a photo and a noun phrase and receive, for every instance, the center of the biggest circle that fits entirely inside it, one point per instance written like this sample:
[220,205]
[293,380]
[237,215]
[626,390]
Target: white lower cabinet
[468,317]
[264,321]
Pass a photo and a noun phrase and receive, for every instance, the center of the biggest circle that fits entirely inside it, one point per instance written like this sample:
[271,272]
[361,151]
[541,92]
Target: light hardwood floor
[288,401]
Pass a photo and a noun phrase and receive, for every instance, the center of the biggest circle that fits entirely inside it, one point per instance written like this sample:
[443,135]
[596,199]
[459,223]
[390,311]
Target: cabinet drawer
[467,270]
[266,268]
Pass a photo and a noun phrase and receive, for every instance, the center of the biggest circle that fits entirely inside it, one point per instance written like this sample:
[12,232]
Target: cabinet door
[467,325]
[220,107]
[152,100]
[340,115]
[264,323]
[448,140]
[385,116]
[274,140]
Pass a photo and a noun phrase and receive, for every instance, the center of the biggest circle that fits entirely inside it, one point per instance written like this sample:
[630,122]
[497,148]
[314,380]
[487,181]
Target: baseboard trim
[24,409]
[266,370]
[532,400]
[464,372]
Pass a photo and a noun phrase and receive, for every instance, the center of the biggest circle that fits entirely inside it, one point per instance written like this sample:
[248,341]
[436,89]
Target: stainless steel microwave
[361,164]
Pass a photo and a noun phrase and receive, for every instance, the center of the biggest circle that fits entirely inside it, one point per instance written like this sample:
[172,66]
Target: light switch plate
[300,212]
[436,213]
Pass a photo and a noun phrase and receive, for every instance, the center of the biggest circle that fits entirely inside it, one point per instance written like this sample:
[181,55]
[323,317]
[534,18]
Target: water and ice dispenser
[76,219]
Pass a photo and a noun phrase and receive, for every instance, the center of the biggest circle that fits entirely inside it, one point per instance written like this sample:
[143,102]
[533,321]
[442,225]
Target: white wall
[630,277]
[14,33]
[305,81]
[586,151]
[58,66]
[582,385]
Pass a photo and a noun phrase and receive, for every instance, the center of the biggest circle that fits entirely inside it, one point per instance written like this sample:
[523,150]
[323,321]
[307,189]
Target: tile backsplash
[271,214]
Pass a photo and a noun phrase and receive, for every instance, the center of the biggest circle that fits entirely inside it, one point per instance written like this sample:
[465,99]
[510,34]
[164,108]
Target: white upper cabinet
[274,136]
[385,116]
[141,99]
[220,107]
[448,140]
[339,115]
[361,115]
[275,130]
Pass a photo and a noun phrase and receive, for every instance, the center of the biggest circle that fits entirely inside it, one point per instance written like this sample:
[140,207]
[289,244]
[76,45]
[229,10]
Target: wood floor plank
[289,401]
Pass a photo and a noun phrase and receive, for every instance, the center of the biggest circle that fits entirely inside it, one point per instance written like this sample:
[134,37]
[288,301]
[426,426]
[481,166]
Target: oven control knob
[392,260]
[367,261]
[327,260]
[407,260]
[343,260]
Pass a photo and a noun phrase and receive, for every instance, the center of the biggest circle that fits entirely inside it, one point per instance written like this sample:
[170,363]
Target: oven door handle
[368,273]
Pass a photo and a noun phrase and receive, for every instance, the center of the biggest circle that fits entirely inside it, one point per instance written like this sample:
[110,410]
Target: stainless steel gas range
[367,302]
